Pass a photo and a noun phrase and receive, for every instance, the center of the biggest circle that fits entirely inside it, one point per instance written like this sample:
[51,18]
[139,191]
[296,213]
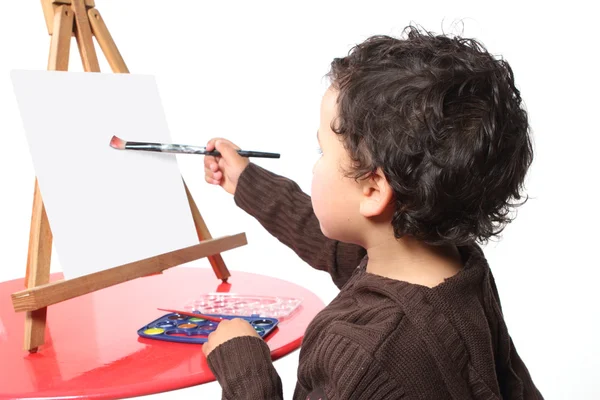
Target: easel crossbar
[51,293]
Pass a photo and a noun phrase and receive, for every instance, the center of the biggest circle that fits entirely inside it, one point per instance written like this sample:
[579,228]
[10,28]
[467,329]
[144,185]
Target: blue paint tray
[174,327]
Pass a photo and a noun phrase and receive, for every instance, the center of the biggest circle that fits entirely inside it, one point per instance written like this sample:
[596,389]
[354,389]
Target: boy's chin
[336,234]
[324,231]
[327,232]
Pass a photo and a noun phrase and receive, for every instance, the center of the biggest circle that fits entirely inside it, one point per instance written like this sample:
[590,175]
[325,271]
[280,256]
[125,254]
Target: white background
[253,72]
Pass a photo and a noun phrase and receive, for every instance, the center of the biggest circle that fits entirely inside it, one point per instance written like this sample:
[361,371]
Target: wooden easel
[79,18]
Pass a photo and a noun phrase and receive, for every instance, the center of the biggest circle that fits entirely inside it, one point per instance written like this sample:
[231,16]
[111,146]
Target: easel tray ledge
[51,293]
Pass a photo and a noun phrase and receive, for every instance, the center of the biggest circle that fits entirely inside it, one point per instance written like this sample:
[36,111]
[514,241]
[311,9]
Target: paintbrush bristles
[117,143]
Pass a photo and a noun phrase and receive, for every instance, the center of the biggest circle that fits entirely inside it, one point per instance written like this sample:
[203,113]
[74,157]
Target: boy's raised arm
[286,212]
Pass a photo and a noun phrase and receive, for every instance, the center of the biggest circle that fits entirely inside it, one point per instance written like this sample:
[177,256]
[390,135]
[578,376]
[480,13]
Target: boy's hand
[226,169]
[228,329]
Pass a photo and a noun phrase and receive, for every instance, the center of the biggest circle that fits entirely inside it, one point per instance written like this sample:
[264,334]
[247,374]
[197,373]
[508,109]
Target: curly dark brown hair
[444,121]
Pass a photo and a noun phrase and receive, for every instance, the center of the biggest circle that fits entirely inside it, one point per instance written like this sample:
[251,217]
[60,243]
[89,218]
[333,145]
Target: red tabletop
[92,348]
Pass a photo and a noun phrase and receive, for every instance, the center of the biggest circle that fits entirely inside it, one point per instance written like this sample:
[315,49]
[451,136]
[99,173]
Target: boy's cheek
[315,197]
[319,199]
[325,209]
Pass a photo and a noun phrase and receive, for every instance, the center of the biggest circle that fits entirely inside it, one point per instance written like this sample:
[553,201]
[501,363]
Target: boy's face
[335,198]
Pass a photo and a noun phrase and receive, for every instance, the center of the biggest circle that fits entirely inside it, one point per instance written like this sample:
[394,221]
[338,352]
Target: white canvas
[106,207]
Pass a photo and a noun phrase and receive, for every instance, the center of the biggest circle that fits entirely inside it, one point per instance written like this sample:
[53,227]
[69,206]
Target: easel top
[49,6]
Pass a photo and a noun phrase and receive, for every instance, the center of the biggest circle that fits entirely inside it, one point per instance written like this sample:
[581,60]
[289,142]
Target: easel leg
[83,34]
[40,234]
[106,42]
[38,269]
[61,39]
[216,261]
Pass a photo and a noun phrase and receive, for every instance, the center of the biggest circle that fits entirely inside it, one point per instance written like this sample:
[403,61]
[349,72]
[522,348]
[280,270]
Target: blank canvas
[106,207]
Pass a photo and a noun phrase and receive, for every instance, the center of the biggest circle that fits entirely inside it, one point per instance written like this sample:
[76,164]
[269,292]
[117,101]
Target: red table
[92,349]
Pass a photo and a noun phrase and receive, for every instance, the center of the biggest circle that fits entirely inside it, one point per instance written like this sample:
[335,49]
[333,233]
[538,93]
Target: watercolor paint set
[201,316]
[175,327]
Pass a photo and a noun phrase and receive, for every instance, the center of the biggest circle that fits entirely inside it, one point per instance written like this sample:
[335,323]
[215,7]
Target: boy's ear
[377,195]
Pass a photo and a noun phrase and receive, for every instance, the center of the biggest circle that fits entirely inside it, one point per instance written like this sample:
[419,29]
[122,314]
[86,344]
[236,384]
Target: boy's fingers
[213,177]
[227,149]
[208,160]
[212,174]
[210,146]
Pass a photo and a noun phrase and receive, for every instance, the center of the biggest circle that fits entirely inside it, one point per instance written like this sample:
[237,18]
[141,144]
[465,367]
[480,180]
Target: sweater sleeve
[286,212]
[244,369]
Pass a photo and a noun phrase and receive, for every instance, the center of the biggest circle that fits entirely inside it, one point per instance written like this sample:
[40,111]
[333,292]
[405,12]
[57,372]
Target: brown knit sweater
[379,338]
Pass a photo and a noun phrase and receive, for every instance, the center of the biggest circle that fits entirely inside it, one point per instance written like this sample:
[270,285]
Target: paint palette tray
[243,305]
[174,327]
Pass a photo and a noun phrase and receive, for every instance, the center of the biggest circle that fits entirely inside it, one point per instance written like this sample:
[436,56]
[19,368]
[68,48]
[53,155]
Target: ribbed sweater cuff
[244,369]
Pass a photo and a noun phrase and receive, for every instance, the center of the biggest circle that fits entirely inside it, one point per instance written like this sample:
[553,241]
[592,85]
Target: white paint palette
[244,305]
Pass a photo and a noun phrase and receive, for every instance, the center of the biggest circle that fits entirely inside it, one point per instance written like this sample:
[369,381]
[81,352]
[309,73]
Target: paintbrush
[191,314]
[121,144]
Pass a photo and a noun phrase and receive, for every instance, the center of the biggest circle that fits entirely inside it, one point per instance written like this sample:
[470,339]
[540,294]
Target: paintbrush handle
[187,149]
[246,153]
[190,314]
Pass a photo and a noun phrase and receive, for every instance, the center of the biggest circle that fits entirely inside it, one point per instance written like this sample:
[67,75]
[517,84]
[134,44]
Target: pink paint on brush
[117,143]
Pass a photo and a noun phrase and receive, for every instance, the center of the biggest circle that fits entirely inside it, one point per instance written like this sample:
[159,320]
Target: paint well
[154,331]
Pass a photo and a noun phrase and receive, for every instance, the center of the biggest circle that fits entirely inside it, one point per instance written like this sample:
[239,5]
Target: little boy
[425,145]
